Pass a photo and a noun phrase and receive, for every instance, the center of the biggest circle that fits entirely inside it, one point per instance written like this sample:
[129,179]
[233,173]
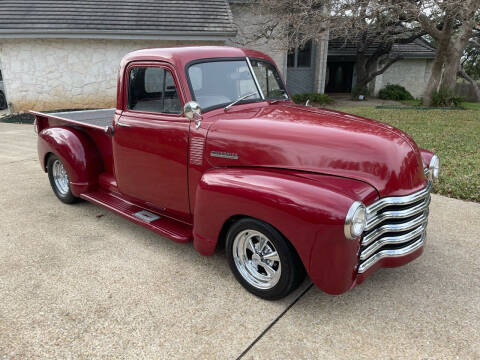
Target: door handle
[122,124]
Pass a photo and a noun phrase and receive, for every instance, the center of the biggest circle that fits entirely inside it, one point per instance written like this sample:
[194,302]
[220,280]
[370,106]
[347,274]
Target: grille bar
[399,200]
[396,226]
[392,253]
[397,214]
[392,240]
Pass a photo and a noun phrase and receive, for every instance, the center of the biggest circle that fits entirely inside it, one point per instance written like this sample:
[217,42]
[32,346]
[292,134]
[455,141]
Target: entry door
[150,141]
[340,77]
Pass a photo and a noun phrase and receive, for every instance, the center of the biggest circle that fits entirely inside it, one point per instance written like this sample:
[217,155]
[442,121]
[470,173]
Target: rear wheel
[59,180]
[262,260]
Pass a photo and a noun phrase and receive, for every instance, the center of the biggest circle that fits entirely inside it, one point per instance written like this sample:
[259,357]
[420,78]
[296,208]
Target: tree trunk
[436,75]
[449,51]
[449,80]
[360,87]
[433,81]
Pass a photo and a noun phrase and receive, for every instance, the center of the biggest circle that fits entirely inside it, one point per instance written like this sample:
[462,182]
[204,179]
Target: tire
[3,101]
[273,269]
[57,174]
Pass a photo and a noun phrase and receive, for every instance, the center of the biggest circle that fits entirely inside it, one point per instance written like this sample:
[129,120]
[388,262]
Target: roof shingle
[116,18]
[416,49]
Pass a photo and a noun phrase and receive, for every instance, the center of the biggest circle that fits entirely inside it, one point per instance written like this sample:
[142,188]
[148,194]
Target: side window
[171,104]
[304,56]
[152,89]
[301,56]
[269,80]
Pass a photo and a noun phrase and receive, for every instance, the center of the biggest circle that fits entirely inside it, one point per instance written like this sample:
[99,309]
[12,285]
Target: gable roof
[136,19]
[418,49]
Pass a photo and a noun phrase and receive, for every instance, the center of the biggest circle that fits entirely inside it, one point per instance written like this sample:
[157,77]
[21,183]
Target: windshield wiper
[273,101]
[277,100]
[239,99]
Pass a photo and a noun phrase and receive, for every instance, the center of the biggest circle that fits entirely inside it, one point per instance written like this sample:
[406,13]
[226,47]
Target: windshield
[219,83]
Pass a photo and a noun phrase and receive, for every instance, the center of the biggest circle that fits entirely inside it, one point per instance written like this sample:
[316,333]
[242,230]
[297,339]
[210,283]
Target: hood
[288,136]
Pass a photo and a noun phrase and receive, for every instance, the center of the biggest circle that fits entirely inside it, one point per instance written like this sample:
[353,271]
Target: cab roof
[180,56]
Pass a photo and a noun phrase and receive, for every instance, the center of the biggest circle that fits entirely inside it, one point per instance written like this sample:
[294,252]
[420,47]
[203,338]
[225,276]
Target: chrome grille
[396,226]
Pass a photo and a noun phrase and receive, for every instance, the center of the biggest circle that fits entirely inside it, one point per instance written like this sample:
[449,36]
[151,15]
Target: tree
[471,58]
[469,68]
[374,26]
[450,23]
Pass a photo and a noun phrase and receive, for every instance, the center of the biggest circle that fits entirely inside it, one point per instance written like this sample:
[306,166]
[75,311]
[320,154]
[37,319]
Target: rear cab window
[152,89]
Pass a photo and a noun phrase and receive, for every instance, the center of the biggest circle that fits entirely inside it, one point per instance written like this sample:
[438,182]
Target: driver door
[151,140]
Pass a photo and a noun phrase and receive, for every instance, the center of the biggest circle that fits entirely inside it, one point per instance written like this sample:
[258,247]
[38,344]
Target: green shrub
[446,98]
[395,92]
[320,99]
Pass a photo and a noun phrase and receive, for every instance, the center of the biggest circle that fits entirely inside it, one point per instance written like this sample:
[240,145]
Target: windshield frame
[252,73]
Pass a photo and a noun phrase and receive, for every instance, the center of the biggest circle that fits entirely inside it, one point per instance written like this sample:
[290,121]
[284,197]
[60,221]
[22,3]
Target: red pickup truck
[205,145]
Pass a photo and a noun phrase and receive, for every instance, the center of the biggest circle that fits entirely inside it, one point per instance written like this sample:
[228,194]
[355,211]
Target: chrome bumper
[396,226]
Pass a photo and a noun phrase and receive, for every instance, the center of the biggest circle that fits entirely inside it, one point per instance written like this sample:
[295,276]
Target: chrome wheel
[256,259]
[60,177]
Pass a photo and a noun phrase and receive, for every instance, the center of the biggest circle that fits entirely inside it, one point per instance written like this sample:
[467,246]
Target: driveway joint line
[249,347]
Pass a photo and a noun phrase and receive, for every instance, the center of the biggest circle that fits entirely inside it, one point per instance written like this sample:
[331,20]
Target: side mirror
[193,111]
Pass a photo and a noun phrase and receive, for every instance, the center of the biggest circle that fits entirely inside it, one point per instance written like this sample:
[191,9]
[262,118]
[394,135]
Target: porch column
[321,53]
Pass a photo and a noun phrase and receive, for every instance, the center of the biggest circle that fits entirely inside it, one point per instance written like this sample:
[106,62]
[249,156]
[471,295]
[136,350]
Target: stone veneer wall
[49,74]
[413,74]
[247,22]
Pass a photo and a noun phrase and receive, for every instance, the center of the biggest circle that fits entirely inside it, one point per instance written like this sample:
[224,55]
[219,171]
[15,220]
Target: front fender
[426,156]
[78,153]
[309,212]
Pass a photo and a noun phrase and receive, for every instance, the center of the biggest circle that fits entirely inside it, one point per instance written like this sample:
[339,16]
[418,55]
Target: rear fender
[310,213]
[78,153]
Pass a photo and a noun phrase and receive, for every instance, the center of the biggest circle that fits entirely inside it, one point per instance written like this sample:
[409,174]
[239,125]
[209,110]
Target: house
[65,54]
[412,71]
[62,54]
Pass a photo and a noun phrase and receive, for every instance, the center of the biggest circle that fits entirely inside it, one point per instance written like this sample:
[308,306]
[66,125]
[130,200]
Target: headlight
[434,168]
[355,221]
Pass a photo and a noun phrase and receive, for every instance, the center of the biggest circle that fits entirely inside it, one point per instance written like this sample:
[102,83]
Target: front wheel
[262,260]
[58,176]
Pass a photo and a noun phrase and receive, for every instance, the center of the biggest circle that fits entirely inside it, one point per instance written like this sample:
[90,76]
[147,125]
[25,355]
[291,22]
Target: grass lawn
[454,135]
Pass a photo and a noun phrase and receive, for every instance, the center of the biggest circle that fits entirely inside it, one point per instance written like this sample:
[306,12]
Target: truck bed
[91,122]
[101,117]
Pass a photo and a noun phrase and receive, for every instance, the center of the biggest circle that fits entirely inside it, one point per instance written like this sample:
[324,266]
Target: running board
[163,226]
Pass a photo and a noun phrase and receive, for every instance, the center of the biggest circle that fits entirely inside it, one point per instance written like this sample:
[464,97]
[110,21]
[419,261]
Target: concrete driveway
[77,281]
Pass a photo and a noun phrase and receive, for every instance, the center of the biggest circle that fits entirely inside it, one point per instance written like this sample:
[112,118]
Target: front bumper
[395,233]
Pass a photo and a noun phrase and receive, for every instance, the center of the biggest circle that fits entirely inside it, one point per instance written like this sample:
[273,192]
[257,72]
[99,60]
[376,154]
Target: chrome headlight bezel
[434,168]
[355,221]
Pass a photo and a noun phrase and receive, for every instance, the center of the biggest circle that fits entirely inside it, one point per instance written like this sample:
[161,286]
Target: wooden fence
[466,91]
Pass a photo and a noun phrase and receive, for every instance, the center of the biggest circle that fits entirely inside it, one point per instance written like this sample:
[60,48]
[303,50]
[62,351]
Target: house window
[152,89]
[291,58]
[300,57]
